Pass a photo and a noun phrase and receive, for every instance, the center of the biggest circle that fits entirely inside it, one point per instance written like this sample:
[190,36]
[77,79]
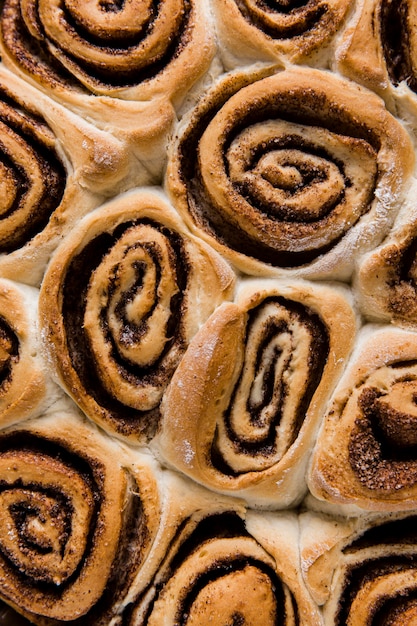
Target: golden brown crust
[286,31]
[55,168]
[364,454]
[124,67]
[243,407]
[386,277]
[291,173]
[80,510]
[229,568]
[361,570]
[24,379]
[121,300]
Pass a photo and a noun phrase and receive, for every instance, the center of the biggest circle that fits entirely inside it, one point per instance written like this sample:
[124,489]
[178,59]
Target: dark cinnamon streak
[35,57]
[301,106]
[395,39]
[317,359]
[124,418]
[208,531]
[398,535]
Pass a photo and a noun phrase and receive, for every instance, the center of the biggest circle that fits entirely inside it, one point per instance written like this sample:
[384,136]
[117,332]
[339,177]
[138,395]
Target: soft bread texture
[290,173]
[122,298]
[360,569]
[243,407]
[125,69]
[207,242]
[364,453]
[55,169]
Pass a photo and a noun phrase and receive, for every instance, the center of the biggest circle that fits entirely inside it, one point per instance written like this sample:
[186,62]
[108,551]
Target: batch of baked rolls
[208,312]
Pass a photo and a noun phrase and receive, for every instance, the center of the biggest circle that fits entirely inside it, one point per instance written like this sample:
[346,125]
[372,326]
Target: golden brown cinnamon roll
[290,29]
[242,409]
[386,281]
[224,569]
[54,169]
[122,64]
[121,299]
[379,50]
[363,571]
[24,385]
[366,451]
[291,173]
[78,520]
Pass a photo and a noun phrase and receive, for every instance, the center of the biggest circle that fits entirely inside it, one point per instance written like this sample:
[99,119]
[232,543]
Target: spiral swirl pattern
[249,418]
[380,49]
[290,28]
[370,429]
[104,47]
[217,571]
[387,279]
[131,300]
[33,178]
[70,517]
[281,171]
[372,573]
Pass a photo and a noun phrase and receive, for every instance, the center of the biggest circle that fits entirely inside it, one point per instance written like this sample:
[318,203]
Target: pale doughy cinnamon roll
[366,450]
[226,569]
[78,520]
[362,571]
[243,407]
[120,301]
[287,30]
[124,65]
[290,173]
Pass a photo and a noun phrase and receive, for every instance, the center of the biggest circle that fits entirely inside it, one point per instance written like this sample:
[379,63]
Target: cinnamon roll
[54,168]
[227,569]
[291,173]
[243,407]
[366,451]
[24,385]
[122,64]
[121,299]
[290,30]
[362,571]
[386,281]
[78,520]
[379,49]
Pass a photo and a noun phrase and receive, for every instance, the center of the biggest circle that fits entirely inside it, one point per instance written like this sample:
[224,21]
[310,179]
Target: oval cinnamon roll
[366,452]
[222,569]
[77,521]
[121,299]
[242,409]
[290,173]
[134,58]
[366,569]
[291,29]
